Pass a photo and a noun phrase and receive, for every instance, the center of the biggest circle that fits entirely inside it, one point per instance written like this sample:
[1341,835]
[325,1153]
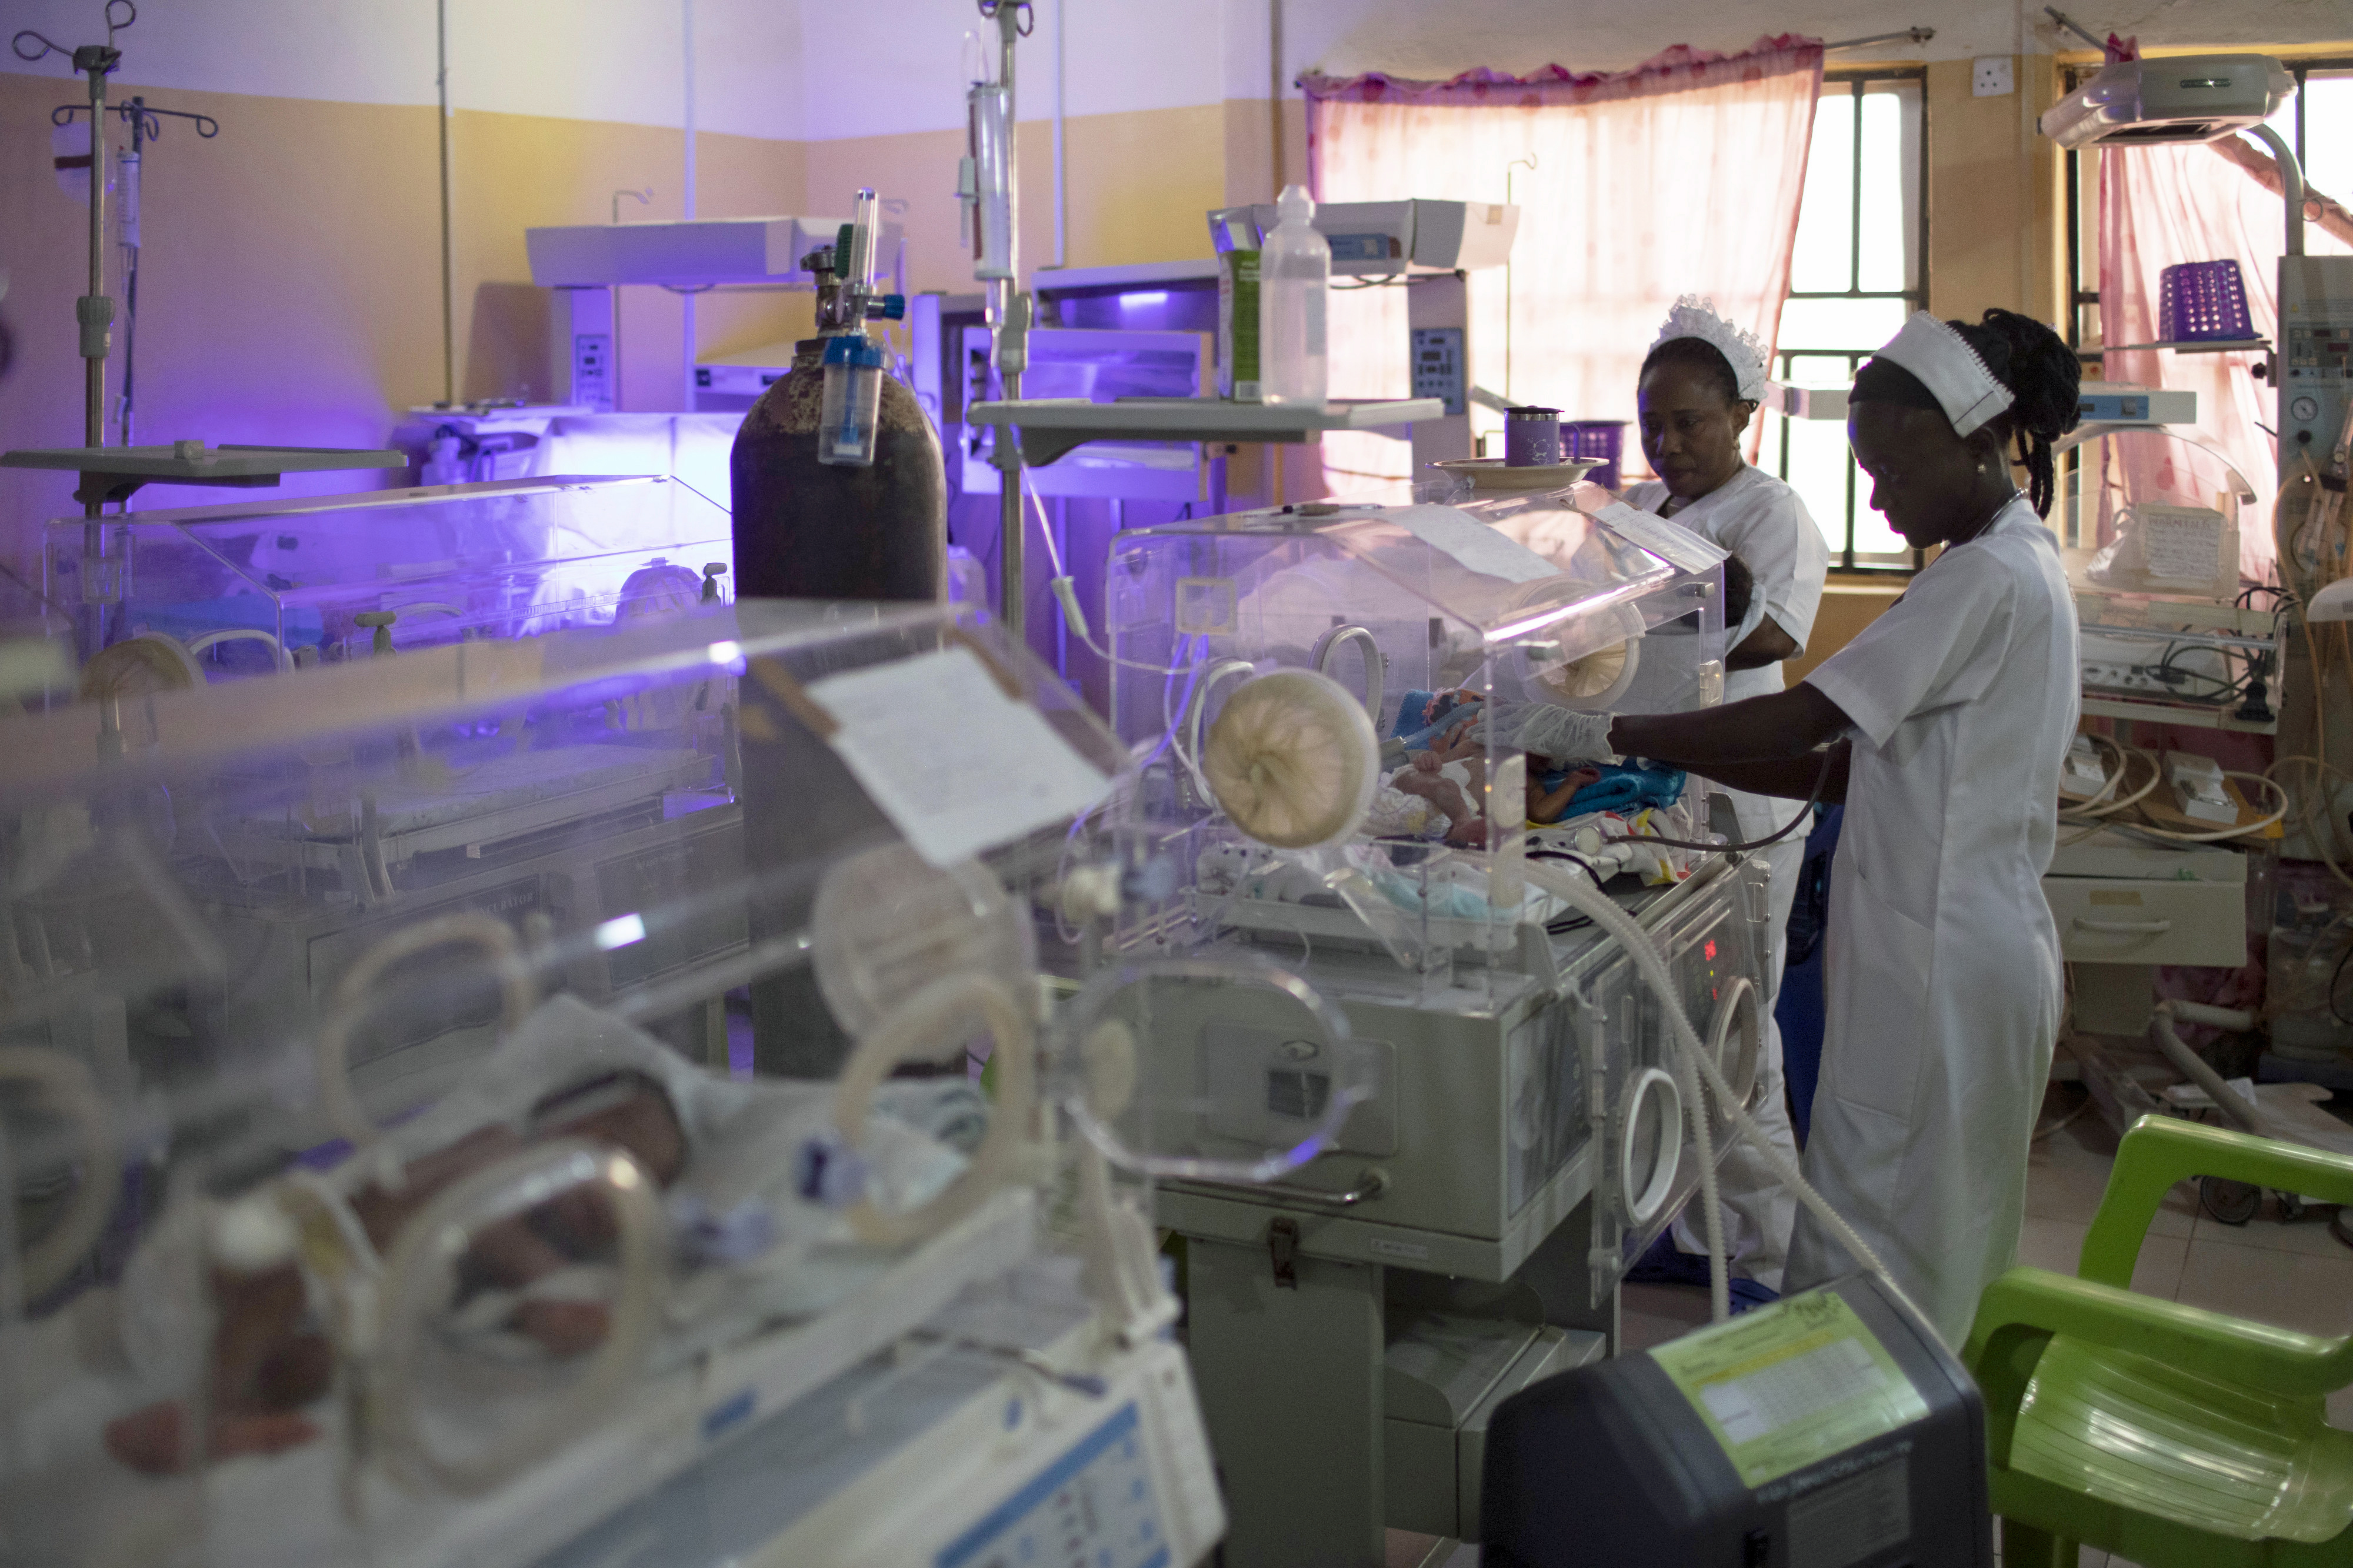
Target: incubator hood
[256,585]
[1336,709]
[446,1096]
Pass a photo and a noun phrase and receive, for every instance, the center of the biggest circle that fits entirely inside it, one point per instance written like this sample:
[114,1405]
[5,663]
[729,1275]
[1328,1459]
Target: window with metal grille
[1861,268]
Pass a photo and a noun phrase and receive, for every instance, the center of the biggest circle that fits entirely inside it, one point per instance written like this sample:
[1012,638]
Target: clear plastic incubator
[583,1099]
[212,591]
[1343,718]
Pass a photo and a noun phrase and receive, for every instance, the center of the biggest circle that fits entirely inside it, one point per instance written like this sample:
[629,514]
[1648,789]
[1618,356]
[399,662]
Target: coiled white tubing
[1293,760]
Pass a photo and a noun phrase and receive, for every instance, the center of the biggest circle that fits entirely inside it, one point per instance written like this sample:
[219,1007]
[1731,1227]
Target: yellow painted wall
[1139,186]
[290,278]
[1851,601]
[515,172]
[1994,195]
[291,266]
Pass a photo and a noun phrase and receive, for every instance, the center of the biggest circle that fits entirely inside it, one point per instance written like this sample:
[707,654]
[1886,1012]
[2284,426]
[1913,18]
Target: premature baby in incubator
[1451,777]
[266,1366]
[758,1227]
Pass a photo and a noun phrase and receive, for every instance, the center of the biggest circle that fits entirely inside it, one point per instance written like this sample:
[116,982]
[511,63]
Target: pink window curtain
[2160,206]
[1681,176]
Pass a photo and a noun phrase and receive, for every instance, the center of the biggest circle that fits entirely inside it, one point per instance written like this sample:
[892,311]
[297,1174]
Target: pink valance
[1674,69]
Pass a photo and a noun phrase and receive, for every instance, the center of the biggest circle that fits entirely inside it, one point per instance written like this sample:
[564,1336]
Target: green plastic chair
[2168,1434]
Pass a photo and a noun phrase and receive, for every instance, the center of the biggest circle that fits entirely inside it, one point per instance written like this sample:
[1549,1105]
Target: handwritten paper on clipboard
[1473,543]
[1672,542]
[956,766]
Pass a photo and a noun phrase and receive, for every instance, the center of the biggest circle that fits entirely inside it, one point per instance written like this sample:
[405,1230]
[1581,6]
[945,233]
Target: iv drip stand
[146,126]
[1009,318]
[93,312]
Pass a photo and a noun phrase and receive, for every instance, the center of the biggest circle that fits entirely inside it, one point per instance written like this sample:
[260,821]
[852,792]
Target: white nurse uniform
[1943,980]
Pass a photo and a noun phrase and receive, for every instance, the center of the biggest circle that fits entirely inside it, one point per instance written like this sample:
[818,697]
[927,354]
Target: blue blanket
[1620,789]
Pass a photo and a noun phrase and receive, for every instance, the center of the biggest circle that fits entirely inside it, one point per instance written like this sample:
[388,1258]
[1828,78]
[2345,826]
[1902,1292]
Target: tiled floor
[2295,1275]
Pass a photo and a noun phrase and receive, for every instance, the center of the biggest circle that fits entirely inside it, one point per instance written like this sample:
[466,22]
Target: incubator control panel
[1093,1508]
[2315,364]
[1438,365]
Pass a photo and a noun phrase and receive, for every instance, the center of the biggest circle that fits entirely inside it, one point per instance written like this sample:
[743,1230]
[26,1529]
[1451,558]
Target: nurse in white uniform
[1700,385]
[1942,727]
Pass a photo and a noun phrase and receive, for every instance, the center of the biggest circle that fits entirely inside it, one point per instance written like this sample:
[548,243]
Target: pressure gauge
[2305,407]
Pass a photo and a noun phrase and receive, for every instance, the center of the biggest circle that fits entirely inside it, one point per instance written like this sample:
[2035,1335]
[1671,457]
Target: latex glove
[1567,734]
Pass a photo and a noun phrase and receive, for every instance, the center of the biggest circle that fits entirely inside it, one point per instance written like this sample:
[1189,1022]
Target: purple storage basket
[1596,439]
[2203,302]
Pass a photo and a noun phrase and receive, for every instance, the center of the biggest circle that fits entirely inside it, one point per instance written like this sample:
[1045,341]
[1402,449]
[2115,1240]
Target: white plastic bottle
[1295,271]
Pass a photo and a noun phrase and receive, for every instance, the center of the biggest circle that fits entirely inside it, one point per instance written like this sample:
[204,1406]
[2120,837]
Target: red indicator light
[1709,950]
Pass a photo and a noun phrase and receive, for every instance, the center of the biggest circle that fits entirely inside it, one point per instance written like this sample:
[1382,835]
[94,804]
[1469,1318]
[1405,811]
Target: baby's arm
[1461,743]
[1546,805]
[1419,780]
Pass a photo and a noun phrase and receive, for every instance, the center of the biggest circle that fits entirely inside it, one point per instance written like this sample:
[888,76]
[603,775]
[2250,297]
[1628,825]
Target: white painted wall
[578,60]
[828,69]
[908,59]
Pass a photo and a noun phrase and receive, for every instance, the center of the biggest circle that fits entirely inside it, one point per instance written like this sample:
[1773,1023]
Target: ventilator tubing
[2226,1098]
[1590,901]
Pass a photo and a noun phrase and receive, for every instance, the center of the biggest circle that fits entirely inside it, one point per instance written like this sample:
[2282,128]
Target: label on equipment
[1093,1508]
[1204,606]
[1412,1250]
[1853,1520]
[2180,543]
[1364,246]
[1237,303]
[1788,1384]
[908,725]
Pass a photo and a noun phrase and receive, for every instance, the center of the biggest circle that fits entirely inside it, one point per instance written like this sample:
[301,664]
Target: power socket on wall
[1991,77]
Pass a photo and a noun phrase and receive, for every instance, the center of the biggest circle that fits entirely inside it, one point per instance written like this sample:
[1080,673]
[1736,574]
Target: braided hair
[2045,378]
[1701,355]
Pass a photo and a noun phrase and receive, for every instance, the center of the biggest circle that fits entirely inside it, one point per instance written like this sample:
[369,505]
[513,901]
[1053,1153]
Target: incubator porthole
[1650,1145]
[1735,1040]
[886,922]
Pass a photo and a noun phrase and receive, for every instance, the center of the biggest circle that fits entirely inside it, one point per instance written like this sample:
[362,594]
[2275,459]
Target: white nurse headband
[1943,362]
[1693,317]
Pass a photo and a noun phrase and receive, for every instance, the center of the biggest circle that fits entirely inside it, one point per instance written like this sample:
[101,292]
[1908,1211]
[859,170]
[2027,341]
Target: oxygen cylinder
[836,526]
[812,529]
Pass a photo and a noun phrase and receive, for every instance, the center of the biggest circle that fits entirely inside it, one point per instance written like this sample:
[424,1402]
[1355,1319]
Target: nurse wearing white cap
[1942,727]
[1700,385]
